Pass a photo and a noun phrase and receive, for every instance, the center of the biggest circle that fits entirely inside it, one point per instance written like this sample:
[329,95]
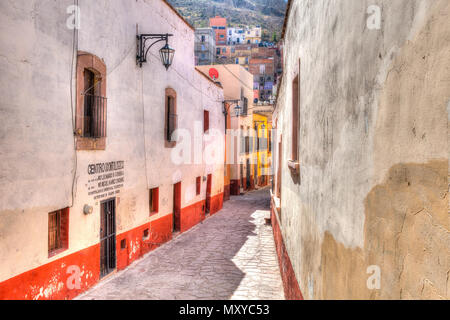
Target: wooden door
[177,207]
[208,194]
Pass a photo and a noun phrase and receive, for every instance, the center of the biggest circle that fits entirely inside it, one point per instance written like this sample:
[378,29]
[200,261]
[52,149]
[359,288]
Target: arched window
[90,120]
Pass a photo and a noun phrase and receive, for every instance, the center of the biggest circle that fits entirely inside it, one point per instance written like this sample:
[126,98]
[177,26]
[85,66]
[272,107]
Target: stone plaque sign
[106,179]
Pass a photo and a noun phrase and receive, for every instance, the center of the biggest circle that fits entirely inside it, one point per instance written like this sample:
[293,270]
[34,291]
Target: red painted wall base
[263,181]
[235,187]
[226,192]
[252,183]
[216,203]
[291,287]
[50,281]
[137,245]
[55,280]
[192,215]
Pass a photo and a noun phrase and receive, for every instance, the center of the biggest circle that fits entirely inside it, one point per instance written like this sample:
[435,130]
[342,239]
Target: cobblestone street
[231,255]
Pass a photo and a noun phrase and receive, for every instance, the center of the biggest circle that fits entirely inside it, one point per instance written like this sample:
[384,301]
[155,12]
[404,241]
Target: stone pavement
[231,255]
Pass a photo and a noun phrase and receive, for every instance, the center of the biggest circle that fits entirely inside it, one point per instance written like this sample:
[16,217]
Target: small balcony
[94,116]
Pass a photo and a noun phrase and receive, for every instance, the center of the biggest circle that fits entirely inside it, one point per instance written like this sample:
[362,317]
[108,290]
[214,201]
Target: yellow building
[243,61]
[253,35]
[262,151]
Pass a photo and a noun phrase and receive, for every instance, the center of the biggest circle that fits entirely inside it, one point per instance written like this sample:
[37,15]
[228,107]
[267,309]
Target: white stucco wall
[237,36]
[370,100]
[39,163]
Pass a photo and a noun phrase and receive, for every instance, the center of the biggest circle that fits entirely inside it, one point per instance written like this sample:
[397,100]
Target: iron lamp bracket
[143,49]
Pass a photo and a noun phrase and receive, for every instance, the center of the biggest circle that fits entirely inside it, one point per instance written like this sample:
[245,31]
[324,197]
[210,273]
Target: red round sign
[213,73]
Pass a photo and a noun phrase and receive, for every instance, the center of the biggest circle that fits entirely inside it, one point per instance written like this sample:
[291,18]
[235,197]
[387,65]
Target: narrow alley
[225,150]
[231,255]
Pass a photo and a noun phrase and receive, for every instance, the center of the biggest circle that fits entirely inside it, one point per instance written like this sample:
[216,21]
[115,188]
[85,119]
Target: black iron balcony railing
[94,116]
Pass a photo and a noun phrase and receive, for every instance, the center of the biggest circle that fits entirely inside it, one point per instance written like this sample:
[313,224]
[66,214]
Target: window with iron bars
[94,116]
[58,223]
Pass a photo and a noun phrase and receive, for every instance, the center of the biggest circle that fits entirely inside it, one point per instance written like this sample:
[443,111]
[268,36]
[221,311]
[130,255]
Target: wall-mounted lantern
[226,105]
[166,53]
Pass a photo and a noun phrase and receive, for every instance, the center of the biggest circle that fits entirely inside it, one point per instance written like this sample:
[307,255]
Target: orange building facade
[219,25]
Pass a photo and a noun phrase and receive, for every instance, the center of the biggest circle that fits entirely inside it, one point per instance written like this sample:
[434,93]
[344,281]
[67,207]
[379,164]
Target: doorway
[107,237]
[208,194]
[248,174]
[242,186]
[177,207]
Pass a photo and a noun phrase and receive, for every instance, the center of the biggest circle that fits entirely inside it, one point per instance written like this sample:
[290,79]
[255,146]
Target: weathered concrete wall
[373,186]
[39,163]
